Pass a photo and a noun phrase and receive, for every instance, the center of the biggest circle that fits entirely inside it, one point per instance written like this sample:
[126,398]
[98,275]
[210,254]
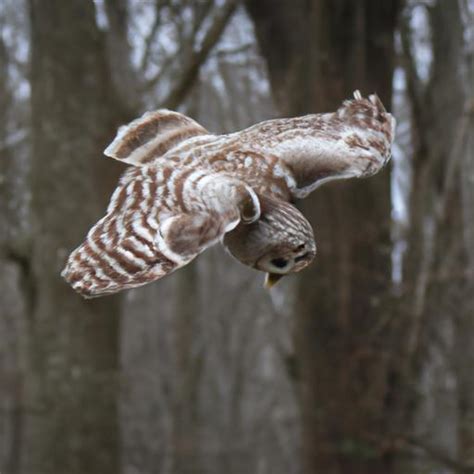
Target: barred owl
[187,189]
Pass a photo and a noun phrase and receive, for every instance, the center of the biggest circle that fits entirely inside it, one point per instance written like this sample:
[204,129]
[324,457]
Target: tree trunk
[439,277]
[13,197]
[185,431]
[71,423]
[318,53]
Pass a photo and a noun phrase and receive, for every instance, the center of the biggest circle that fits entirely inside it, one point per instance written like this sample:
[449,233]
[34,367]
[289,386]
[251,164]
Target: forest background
[362,364]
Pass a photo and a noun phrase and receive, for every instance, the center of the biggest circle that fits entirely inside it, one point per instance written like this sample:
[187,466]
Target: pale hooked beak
[271,279]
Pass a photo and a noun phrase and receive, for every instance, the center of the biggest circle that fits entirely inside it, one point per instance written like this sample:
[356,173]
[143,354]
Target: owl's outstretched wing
[152,135]
[158,220]
[354,141]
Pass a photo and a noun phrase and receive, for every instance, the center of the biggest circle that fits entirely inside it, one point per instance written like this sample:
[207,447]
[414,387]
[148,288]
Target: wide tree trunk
[13,198]
[439,274]
[318,53]
[71,421]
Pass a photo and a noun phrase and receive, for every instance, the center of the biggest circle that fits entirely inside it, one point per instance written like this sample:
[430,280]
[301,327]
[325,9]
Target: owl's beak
[271,279]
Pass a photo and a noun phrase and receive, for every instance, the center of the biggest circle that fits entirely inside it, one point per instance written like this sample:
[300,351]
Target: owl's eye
[279,262]
[277,265]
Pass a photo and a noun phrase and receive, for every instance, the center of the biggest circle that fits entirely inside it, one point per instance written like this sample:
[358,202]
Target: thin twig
[151,38]
[435,453]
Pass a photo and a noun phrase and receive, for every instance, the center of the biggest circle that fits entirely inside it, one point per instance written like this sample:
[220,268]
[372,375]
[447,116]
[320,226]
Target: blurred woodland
[362,364]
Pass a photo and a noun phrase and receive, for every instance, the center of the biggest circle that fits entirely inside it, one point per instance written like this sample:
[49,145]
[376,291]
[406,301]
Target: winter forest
[363,363]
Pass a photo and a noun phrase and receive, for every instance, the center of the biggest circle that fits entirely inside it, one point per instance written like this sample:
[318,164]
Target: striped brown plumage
[188,189]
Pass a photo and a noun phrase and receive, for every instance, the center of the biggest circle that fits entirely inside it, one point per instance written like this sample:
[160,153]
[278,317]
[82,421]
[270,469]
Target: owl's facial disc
[283,261]
[281,241]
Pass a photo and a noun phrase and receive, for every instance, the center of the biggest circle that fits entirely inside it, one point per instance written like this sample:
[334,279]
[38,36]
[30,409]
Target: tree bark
[318,53]
[13,197]
[438,277]
[71,421]
[188,360]
[191,70]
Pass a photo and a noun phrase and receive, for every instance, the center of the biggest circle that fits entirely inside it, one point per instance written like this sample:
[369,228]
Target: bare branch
[201,10]
[244,48]
[401,442]
[191,70]
[439,213]
[414,85]
[123,75]
[435,453]
[151,38]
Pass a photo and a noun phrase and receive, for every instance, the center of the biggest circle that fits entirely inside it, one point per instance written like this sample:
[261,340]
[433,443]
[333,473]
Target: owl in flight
[187,189]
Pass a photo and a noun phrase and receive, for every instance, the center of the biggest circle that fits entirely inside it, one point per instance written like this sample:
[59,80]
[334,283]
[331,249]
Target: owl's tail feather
[151,136]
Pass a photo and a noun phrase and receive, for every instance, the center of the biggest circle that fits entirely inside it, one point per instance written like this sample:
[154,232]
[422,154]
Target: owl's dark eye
[279,262]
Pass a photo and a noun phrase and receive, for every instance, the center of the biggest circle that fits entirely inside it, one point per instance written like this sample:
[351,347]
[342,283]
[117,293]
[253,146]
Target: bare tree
[438,277]
[199,372]
[70,396]
[344,371]
[13,275]
[82,88]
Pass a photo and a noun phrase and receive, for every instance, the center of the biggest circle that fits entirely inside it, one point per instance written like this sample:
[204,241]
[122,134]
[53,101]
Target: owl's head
[280,242]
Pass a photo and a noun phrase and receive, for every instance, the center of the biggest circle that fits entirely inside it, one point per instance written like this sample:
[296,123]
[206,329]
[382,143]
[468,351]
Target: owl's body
[188,189]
